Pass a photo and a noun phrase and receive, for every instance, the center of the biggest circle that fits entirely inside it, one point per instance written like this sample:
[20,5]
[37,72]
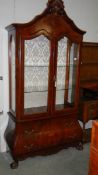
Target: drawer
[92,114]
[91,105]
[89,110]
[30,141]
[31,134]
[48,134]
[45,137]
[93,110]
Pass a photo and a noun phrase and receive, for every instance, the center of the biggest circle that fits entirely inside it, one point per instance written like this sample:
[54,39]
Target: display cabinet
[44,61]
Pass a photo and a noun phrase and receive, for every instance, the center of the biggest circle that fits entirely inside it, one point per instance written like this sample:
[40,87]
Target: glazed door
[36,75]
[12,73]
[66,74]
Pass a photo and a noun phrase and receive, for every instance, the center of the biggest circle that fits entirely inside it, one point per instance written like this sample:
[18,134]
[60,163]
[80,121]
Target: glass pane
[12,56]
[66,73]
[36,74]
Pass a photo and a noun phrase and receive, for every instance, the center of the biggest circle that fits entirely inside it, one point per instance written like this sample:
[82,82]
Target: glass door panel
[36,74]
[65,85]
[13,73]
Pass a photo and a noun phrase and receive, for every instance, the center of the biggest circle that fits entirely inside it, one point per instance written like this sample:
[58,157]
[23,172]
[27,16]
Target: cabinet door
[12,73]
[66,74]
[36,74]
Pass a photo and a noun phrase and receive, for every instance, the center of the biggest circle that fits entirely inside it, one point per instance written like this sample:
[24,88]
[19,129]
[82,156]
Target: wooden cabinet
[89,63]
[93,161]
[44,59]
[88,108]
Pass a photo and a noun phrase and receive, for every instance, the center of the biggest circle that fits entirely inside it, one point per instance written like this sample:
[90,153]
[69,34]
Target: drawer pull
[28,133]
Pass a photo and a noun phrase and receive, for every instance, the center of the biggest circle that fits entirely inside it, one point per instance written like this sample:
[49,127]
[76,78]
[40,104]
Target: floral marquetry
[36,71]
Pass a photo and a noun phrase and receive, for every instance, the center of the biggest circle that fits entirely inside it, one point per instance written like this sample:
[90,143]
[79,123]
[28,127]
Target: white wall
[4,91]
[84,13]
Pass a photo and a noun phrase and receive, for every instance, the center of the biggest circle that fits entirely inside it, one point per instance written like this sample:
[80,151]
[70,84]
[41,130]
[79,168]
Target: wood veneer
[31,133]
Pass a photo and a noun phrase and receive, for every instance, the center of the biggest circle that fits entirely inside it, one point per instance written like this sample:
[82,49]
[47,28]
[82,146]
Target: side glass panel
[36,74]
[12,75]
[65,85]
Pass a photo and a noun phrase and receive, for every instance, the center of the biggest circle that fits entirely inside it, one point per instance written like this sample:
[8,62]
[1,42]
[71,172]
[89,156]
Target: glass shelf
[62,106]
[36,74]
[36,66]
[35,90]
[59,88]
[70,65]
[45,89]
[42,109]
[35,110]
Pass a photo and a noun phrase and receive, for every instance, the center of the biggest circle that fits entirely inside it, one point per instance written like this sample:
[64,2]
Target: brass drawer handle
[28,147]
[28,133]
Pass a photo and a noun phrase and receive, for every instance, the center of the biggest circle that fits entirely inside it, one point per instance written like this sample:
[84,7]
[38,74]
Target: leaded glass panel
[36,74]
[67,59]
[13,73]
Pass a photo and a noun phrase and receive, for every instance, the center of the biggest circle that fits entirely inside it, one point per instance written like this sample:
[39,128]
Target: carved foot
[14,165]
[79,146]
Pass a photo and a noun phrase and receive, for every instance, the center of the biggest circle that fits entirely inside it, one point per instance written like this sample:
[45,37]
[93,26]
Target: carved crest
[56,6]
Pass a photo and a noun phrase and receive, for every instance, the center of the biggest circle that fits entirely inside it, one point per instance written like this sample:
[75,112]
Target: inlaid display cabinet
[44,65]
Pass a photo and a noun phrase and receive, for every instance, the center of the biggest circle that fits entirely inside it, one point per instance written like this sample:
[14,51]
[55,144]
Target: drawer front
[92,113]
[30,140]
[31,133]
[48,134]
[93,110]
[90,110]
